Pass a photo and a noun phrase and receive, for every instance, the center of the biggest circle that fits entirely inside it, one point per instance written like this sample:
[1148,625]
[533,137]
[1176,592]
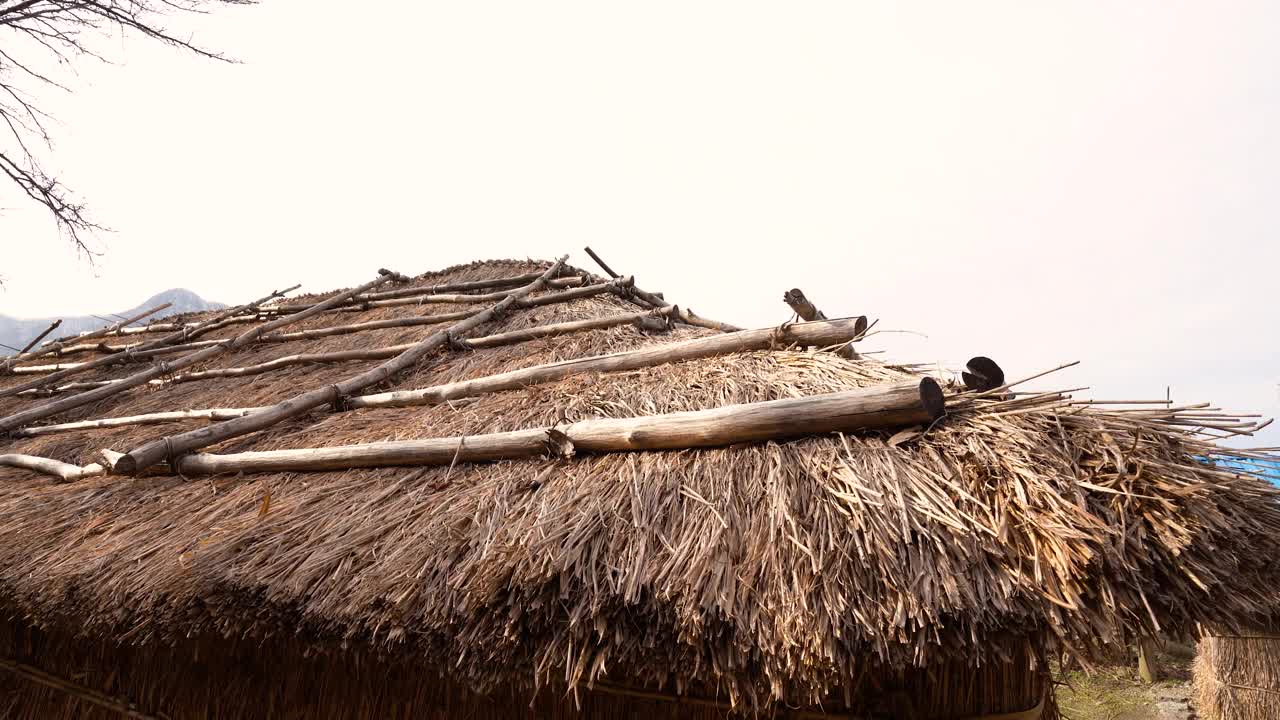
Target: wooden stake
[53,326]
[154,452]
[879,407]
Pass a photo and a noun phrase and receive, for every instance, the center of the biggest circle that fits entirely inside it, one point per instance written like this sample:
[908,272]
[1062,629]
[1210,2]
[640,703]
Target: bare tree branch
[60,32]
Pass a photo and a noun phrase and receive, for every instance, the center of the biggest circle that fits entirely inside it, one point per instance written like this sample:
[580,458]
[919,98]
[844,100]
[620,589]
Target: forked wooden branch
[169,447]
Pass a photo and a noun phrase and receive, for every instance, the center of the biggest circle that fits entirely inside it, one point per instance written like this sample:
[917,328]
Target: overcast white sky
[1088,181]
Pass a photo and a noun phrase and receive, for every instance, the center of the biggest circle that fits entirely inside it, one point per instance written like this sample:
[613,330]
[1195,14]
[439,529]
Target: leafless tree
[39,40]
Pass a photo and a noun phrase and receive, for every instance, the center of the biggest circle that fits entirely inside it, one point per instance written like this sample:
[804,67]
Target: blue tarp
[1269,469]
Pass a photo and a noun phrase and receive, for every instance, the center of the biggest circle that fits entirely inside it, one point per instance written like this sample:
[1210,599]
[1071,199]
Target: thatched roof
[783,569]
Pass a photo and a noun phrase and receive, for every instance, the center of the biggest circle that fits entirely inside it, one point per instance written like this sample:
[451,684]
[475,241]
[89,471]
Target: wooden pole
[53,348]
[509,338]
[600,262]
[167,340]
[871,408]
[54,407]
[820,334]
[46,466]
[52,326]
[213,414]
[1148,669]
[424,296]
[143,457]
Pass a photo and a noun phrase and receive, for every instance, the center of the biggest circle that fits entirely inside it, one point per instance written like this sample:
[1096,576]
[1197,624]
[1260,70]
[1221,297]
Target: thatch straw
[753,574]
[1237,677]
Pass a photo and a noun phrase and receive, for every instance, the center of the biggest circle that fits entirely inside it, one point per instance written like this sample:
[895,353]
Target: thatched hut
[518,489]
[1237,676]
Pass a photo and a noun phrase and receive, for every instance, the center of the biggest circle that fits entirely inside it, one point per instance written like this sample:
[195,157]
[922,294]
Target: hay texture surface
[796,571]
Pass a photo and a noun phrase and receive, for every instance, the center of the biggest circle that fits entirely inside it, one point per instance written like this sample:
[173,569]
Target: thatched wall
[1238,677]
[214,679]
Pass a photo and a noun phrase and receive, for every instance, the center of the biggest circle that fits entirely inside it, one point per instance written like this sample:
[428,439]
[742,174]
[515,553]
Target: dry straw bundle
[751,520]
[1237,677]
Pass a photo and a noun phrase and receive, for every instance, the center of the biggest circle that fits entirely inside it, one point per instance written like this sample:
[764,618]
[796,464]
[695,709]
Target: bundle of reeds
[1237,676]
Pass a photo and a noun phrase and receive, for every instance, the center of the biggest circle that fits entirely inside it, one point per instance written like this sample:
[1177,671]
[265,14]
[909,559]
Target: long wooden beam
[819,334]
[154,452]
[871,408]
[54,407]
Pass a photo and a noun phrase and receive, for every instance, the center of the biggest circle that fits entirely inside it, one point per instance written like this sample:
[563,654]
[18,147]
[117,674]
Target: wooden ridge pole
[173,446]
[54,347]
[159,418]
[54,407]
[871,408]
[819,334]
[167,340]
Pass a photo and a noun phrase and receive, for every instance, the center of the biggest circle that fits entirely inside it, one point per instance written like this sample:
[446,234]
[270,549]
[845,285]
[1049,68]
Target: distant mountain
[17,332]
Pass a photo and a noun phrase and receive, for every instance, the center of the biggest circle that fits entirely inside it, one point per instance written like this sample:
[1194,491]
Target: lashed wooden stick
[818,334]
[51,408]
[168,447]
[53,348]
[884,406]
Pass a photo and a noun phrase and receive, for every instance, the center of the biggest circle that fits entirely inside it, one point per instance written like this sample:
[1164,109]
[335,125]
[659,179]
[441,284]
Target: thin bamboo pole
[167,340]
[426,296]
[818,334]
[547,299]
[508,338]
[213,414]
[884,406]
[51,408]
[169,447]
[54,347]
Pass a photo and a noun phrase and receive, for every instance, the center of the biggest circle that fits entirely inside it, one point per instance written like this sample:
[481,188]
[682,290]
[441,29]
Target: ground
[1116,693]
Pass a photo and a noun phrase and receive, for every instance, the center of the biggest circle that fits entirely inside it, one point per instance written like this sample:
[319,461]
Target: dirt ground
[1116,693]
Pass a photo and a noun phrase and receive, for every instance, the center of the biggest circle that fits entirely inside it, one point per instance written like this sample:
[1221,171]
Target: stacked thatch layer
[835,569]
[1237,677]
